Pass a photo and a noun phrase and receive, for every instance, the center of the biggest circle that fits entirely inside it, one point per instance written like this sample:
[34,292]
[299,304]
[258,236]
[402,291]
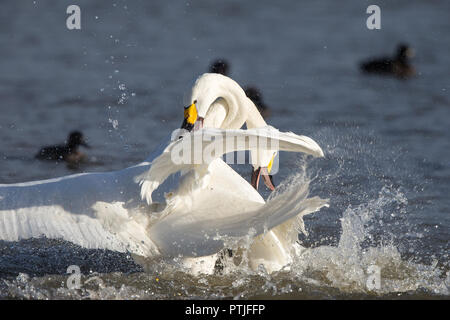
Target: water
[121,81]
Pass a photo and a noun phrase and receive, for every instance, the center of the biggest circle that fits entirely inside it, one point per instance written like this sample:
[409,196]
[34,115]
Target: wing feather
[222,142]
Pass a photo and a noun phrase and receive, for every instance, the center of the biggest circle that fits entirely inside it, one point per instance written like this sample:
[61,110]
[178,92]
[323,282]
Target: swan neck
[254,117]
[240,110]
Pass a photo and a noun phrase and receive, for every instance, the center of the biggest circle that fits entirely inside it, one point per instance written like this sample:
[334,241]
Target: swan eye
[195,101]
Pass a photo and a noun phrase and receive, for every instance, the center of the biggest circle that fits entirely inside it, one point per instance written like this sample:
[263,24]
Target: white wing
[104,210]
[175,158]
[227,210]
[90,210]
[198,221]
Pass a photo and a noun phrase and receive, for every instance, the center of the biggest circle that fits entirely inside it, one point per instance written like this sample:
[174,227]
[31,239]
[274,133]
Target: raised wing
[87,209]
[196,150]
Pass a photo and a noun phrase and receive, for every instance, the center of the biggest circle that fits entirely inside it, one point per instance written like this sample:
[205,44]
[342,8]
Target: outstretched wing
[196,150]
[85,209]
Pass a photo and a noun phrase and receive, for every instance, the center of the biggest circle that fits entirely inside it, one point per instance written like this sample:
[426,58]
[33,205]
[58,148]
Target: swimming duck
[255,95]
[65,152]
[397,66]
[220,66]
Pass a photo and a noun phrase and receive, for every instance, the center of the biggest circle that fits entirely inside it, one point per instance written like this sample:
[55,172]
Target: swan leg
[262,171]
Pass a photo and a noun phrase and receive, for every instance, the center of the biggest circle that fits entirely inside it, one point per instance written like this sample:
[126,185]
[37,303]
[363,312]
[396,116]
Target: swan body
[209,206]
[227,206]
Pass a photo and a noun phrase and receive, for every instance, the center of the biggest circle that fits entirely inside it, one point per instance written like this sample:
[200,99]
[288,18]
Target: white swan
[217,101]
[210,205]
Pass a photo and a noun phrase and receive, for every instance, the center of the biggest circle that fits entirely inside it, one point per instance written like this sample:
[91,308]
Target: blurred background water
[121,81]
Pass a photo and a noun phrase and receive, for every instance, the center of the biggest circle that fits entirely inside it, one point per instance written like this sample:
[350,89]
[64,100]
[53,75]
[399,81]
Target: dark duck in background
[398,66]
[219,66]
[222,66]
[67,152]
[256,96]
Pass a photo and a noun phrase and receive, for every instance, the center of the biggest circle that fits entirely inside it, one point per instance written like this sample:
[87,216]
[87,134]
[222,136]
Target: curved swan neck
[254,118]
[240,109]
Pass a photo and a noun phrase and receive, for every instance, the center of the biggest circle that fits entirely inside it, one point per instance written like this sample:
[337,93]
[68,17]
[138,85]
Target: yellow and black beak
[190,117]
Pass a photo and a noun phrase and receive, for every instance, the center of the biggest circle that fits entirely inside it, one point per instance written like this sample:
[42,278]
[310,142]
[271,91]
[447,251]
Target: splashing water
[347,266]
[342,271]
[376,252]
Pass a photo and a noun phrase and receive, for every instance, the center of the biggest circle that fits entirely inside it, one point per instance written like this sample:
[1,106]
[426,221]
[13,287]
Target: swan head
[209,91]
[213,92]
[191,117]
[219,102]
[76,139]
